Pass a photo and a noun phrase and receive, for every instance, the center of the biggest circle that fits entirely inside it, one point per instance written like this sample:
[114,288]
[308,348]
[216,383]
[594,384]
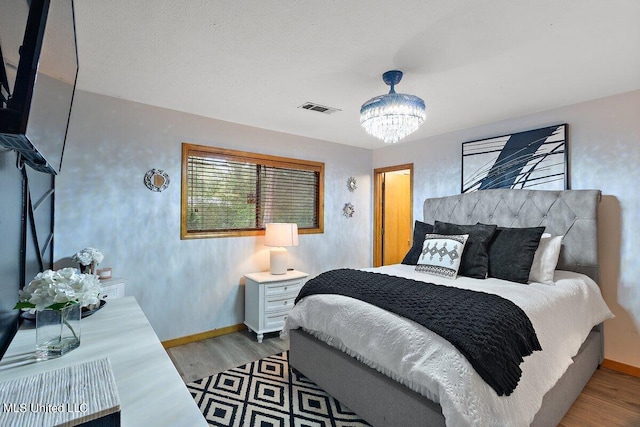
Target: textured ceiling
[254,62]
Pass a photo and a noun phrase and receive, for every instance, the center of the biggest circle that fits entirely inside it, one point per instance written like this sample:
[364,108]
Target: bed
[383,399]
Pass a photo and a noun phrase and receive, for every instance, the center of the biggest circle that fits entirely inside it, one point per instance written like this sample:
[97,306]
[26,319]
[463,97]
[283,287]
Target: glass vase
[57,332]
[88,269]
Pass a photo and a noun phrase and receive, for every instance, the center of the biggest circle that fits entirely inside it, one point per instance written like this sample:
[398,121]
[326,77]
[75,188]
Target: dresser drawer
[283,288]
[111,292]
[112,288]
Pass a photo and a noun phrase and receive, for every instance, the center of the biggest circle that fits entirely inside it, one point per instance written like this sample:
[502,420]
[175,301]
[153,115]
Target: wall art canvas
[534,160]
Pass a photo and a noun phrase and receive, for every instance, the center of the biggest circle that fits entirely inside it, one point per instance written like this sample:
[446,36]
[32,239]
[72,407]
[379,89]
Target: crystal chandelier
[393,116]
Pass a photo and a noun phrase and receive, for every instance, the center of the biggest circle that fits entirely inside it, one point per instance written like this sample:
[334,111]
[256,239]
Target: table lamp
[279,235]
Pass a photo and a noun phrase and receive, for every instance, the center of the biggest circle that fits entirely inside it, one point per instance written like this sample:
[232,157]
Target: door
[392,214]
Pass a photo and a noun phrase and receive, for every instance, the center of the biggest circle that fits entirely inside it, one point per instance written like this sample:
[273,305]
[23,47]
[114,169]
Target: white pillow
[545,259]
[441,254]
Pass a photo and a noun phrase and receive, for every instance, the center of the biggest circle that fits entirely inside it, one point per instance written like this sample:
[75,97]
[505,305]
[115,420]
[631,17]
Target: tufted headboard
[571,213]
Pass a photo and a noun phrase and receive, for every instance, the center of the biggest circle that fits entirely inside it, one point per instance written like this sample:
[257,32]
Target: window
[234,193]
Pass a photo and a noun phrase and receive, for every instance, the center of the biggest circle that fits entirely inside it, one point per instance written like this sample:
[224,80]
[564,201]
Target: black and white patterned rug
[266,393]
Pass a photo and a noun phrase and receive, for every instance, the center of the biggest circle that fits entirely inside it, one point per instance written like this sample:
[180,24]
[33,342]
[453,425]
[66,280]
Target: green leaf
[24,304]
[56,306]
[61,305]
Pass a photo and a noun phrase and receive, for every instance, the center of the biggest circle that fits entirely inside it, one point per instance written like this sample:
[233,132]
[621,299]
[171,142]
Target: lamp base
[278,261]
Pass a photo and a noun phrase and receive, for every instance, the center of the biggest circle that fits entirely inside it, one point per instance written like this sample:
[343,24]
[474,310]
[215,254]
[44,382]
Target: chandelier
[393,116]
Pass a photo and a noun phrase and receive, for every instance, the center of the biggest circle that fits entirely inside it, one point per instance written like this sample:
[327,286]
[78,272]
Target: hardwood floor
[610,398]
[204,358]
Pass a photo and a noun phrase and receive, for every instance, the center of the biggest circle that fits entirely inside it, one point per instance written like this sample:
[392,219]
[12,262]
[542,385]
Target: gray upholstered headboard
[571,213]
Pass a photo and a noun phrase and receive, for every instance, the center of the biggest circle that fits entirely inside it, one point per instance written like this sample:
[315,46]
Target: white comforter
[562,315]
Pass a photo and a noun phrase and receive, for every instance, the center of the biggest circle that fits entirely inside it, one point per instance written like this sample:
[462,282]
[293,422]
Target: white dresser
[268,299]
[150,389]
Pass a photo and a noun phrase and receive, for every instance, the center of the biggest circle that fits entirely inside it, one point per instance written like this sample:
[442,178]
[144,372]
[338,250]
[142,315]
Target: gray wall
[604,153]
[188,286]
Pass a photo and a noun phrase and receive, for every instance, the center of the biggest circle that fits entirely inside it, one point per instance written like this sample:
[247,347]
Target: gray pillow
[475,258]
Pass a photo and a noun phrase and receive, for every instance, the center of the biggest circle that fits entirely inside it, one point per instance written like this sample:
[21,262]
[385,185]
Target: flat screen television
[37,79]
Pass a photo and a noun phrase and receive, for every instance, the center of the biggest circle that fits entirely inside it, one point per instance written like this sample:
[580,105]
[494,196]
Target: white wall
[188,286]
[604,153]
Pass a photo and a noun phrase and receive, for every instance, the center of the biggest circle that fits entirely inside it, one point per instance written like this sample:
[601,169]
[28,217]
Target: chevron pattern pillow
[441,254]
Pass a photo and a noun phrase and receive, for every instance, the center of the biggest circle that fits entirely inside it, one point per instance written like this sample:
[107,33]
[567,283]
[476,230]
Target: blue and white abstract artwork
[535,160]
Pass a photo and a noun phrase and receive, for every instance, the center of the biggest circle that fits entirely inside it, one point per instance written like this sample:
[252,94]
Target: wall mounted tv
[37,79]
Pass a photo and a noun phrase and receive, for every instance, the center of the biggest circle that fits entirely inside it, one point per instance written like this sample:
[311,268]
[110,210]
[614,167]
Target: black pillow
[511,253]
[475,258]
[419,230]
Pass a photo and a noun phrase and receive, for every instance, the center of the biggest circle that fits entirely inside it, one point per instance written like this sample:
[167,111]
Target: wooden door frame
[377,206]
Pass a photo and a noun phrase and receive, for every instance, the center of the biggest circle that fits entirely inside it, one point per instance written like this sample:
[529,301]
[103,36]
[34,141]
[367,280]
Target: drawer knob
[285,288]
[285,303]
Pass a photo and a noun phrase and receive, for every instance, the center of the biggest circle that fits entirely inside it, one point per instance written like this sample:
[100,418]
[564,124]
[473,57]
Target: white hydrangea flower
[60,288]
[88,256]
[87,289]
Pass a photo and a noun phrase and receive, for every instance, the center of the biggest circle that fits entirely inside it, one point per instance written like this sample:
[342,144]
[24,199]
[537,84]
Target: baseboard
[621,367]
[203,335]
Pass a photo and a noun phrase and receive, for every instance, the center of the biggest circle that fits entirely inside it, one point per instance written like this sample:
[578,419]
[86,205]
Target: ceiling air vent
[319,108]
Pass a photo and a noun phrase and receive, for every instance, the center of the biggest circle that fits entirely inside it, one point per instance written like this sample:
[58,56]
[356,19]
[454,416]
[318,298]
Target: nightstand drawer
[275,320]
[280,303]
[282,288]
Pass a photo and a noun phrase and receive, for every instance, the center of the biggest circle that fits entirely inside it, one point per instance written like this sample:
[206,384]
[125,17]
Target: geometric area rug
[266,393]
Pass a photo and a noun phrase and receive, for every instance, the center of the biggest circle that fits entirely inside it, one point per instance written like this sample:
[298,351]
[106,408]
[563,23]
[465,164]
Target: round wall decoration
[351,183]
[156,180]
[348,210]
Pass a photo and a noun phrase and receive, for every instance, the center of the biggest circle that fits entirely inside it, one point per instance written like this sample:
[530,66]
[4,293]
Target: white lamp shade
[281,234]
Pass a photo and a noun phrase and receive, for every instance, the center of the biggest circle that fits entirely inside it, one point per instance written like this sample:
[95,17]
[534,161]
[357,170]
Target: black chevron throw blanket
[493,333]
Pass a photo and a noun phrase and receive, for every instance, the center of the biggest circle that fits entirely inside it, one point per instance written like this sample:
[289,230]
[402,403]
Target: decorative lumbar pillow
[545,259]
[511,253]
[420,229]
[475,261]
[441,255]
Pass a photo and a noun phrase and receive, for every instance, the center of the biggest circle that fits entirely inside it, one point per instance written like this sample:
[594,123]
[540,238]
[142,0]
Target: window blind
[231,193]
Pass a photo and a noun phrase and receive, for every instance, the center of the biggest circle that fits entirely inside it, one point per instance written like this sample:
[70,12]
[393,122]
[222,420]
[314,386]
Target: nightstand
[268,298]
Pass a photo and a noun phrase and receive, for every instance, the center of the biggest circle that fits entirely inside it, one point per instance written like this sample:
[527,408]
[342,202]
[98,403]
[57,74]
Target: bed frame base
[383,402]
